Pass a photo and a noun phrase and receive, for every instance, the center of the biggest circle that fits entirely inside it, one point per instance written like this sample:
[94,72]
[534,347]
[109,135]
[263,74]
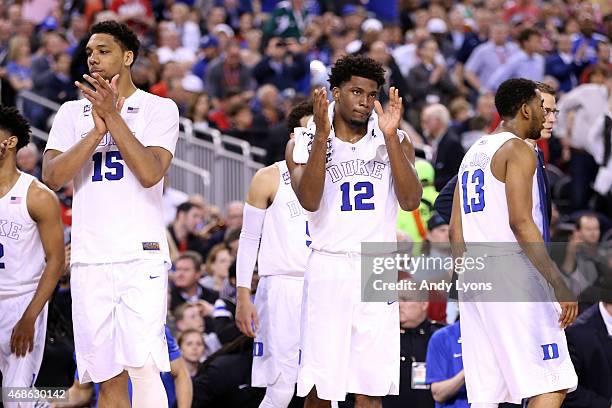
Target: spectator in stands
[241,118]
[19,66]
[56,84]
[588,37]
[283,64]
[199,113]
[267,107]
[525,63]
[580,265]
[429,82]
[379,51]
[170,48]
[563,65]
[228,72]
[445,368]
[183,232]
[485,107]
[415,331]
[189,32]
[217,270]
[171,199]
[448,152]
[209,50]
[138,14]
[218,116]
[489,56]
[28,160]
[478,126]
[193,349]
[52,45]
[185,286]
[602,60]
[287,20]
[589,341]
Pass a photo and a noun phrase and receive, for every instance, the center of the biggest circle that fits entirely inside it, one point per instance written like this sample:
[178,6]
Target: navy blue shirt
[444,362]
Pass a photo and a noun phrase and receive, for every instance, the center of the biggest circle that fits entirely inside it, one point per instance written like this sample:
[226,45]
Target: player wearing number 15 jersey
[31,259]
[350,169]
[117,144]
[496,201]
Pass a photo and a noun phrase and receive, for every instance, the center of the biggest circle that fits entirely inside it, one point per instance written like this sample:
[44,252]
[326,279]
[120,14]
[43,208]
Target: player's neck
[8,175]
[347,132]
[125,86]
[512,127]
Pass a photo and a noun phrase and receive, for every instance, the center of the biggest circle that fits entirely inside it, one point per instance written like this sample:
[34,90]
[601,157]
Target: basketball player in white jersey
[512,350]
[31,259]
[117,144]
[350,170]
[274,222]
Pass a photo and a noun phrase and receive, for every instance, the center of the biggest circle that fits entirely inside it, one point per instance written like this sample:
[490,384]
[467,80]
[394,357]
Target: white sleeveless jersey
[114,218]
[484,209]
[358,203]
[22,257]
[284,241]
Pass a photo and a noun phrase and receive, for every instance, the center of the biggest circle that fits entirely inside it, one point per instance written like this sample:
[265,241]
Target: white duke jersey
[22,257]
[358,202]
[284,241]
[115,218]
[484,209]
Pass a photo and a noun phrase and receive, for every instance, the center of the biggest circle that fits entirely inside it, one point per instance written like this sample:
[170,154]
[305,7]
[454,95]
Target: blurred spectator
[525,63]
[429,82]
[589,341]
[28,160]
[170,48]
[283,64]
[485,107]
[185,287]
[287,20]
[415,331]
[448,152]
[478,126]
[138,14]
[380,52]
[575,132]
[563,65]
[52,45]
[171,199]
[192,348]
[587,38]
[170,72]
[603,60]
[183,232]
[267,107]
[241,118]
[489,56]
[480,34]
[209,50]
[19,66]
[228,72]
[445,368]
[199,113]
[56,84]
[407,53]
[217,270]
[189,32]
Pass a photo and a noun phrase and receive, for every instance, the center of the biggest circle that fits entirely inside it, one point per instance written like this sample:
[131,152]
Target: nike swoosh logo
[153,277]
[456,355]
[390,303]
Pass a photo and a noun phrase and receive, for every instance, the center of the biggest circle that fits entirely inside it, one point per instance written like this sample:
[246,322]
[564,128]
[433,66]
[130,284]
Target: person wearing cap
[353,16]
[209,50]
[416,330]
[414,223]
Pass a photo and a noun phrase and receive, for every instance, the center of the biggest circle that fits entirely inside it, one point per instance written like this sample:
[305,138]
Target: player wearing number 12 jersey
[496,200]
[349,170]
[117,144]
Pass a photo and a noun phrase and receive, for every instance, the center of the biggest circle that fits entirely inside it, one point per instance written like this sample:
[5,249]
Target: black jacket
[590,348]
[448,159]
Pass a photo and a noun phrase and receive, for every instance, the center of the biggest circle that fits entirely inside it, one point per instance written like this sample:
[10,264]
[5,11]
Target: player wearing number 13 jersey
[117,144]
[350,169]
[496,204]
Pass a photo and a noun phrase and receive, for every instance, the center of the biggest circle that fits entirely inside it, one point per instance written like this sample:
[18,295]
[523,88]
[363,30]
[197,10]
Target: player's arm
[43,207]
[182,383]
[455,227]
[261,193]
[308,180]
[520,168]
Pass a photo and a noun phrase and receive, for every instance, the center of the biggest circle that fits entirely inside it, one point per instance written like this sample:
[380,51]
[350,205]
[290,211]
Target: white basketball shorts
[514,349]
[347,346]
[277,344]
[20,371]
[118,314]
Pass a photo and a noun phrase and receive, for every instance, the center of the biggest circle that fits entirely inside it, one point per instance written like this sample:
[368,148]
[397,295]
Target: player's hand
[3,148]
[105,96]
[321,115]
[22,337]
[569,312]
[247,320]
[389,120]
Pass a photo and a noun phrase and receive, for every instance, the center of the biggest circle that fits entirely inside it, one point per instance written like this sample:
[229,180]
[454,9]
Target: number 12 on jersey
[366,192]
[473,204]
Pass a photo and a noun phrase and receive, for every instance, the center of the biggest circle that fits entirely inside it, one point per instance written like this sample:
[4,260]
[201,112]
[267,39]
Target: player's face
[106,57]
[192,347]
[355,100]
[185,274]
[550,115]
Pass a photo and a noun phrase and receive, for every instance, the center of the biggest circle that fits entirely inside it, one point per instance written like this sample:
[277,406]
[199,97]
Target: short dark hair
[356,65]
[512,94]
[296,113]
[123,34]
[526,34]
[545,88]
[193,256]
[185,207]
[13,122]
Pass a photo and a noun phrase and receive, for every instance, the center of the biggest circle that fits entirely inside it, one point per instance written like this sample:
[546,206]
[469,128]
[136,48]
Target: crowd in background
[239,65]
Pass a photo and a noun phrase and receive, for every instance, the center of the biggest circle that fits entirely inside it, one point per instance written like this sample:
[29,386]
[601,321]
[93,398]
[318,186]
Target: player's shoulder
[40,199]
[266,178]
[39,191]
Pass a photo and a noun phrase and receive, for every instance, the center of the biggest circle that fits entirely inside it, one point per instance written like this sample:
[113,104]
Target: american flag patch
[15,200]
[132,110]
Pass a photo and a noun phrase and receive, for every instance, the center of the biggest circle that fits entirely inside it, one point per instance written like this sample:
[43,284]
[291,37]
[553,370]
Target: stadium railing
[206,162]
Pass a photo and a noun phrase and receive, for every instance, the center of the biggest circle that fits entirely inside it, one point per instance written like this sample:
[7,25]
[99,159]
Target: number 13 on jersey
[473,181]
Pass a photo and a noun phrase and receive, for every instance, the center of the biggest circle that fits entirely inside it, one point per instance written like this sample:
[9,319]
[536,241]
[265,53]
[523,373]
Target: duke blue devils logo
[551,351]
